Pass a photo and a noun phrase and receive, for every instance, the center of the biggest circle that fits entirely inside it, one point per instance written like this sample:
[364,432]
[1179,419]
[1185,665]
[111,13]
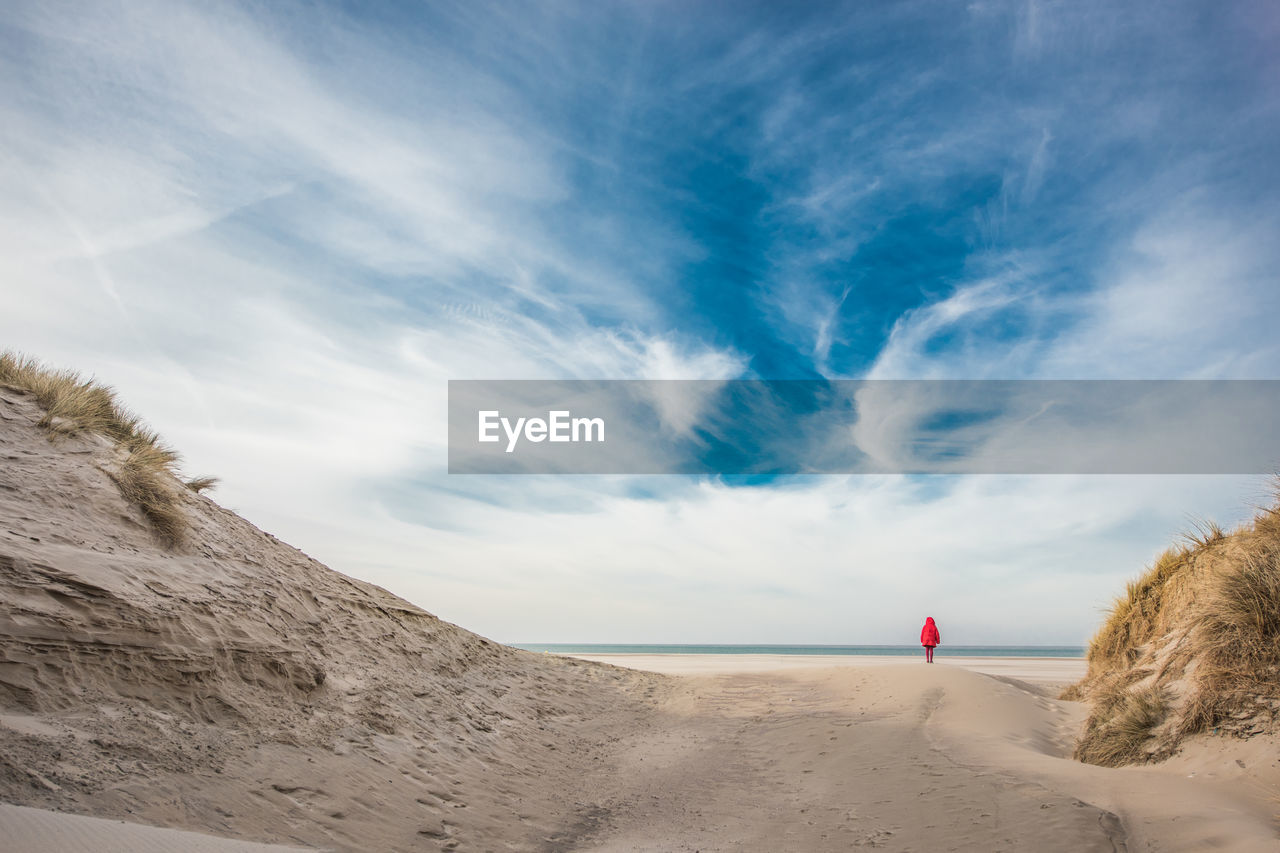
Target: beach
[739,753]
[799,754]
[1036,670]
[245,692]
[486,426]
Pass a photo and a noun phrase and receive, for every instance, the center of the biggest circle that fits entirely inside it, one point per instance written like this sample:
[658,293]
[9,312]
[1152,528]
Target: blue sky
[280,228]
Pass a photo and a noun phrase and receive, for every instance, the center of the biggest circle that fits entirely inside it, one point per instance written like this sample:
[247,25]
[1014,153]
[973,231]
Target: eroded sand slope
[239,687]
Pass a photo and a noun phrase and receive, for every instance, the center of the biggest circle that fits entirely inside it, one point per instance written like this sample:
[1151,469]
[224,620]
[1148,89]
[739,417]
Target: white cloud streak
[280,254]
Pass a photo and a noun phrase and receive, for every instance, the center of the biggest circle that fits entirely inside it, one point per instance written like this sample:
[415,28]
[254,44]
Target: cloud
[1190,296]
[239,212]
[831,560]
[280,229]
[1186,297]
[960,319]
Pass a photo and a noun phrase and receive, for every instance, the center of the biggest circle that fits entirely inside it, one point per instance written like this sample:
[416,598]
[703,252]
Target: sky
[279,229]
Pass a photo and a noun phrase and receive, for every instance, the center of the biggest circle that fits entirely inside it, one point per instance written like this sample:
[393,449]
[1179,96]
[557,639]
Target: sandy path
[898,757]
[902,757]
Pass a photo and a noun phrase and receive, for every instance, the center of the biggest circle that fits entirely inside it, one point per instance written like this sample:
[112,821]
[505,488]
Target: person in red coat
[929,637]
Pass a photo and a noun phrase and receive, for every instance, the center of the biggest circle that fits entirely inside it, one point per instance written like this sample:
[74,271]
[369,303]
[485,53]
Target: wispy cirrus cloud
[280,229]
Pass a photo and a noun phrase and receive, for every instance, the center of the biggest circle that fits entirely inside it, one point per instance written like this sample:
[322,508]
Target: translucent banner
[758,427]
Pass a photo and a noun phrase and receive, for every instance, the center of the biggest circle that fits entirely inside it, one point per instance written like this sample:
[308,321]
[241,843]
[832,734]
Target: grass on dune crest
[201,484]
[146,470]
[1192,646]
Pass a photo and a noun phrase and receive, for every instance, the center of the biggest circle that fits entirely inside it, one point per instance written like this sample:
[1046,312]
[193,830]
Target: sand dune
[237,688]
[28,830]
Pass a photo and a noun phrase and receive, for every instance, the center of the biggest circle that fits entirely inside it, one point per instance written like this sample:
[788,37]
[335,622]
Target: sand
[237,688]
[895,757]
[27,830]
[1038,670]
[911,757]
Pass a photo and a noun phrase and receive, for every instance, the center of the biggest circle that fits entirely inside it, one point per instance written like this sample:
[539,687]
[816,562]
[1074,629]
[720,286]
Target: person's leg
[931,654]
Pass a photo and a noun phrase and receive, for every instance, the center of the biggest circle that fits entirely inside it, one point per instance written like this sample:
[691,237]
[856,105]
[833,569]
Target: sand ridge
[28,830]
[238,687]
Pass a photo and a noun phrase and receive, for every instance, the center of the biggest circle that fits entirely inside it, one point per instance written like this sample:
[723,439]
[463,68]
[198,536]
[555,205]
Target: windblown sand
[236,688]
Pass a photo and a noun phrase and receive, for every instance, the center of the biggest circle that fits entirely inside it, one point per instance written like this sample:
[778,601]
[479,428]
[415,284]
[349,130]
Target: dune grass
[1192,646]
[146,470]
[200,484]
[1120,736]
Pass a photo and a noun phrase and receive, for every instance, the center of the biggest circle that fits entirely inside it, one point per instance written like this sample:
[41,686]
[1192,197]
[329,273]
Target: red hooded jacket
[929,635]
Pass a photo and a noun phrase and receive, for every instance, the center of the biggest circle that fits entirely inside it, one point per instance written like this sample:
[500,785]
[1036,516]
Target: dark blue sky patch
[788,182]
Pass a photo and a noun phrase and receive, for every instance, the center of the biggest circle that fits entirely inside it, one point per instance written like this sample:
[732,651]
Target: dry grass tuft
[1119,730]
[1201,628]
[146,481]
[200,484]
[1072,693]
[1204,533]
[1135,617]
[147,468]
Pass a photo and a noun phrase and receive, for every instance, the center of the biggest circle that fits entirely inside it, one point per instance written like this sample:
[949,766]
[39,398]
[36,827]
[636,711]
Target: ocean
[905,651]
